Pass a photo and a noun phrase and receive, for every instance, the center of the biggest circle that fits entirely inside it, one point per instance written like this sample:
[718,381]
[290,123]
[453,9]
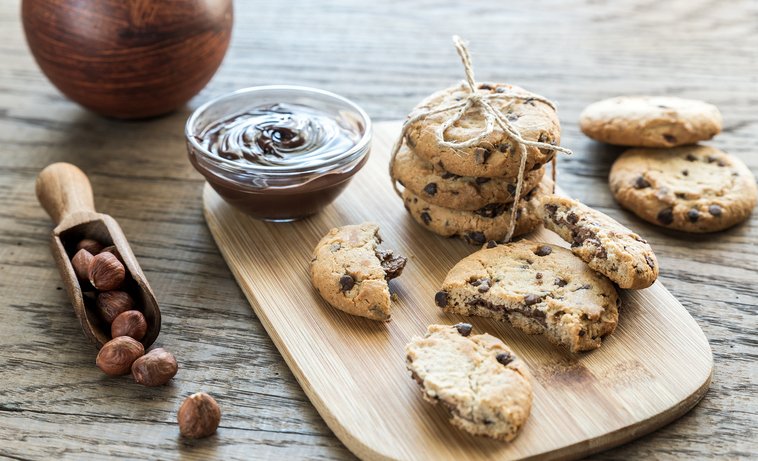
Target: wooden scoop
[66,194]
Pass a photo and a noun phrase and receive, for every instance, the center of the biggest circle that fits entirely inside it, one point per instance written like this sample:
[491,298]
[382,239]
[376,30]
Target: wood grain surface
[386,56]
[353,369]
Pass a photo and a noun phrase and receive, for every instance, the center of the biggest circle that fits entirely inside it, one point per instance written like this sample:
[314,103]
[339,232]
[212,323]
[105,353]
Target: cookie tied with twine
[494,120]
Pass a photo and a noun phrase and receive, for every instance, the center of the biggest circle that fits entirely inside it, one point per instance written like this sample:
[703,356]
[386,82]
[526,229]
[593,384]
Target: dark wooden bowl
[128,58]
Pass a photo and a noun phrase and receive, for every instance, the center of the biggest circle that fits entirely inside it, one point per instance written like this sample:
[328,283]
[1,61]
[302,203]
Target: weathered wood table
[54,403]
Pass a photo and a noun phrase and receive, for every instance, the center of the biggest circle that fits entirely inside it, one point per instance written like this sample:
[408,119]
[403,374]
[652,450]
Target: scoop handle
[62,190]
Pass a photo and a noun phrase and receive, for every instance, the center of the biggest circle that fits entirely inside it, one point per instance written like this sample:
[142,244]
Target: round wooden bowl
[128,58]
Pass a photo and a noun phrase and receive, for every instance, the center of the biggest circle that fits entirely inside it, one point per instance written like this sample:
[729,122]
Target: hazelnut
[112,249]
[81,262]
[111,304]
[129,323]
[117,355]
[106,272]
[93,246]
[155,368]
[198,416]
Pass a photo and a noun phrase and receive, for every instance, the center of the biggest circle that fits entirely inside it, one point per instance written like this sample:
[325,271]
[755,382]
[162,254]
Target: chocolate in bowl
[279,153]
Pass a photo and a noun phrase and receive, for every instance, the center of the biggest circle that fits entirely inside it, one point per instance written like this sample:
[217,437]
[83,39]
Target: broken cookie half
[477,378]
[538,288]
[602,242]
[350,271]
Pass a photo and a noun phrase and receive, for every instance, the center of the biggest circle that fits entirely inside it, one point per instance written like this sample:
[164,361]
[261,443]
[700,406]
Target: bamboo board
[654,368]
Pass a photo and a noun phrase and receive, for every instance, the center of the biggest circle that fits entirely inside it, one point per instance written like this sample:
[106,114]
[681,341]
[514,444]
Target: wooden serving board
[654,368]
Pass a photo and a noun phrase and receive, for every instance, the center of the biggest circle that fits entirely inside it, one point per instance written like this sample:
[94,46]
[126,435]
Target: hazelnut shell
[117,355]
[81,262]
[106,272]
[155,368]
[129,323]
[111,304]
[198,416]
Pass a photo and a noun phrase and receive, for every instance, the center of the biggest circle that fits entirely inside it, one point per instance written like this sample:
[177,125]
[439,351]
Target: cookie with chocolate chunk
[650,121]
[449,190]
[477,378]
[538,288]
[601,241]
[691,188]
[350,271]
[497,155]
[477,227]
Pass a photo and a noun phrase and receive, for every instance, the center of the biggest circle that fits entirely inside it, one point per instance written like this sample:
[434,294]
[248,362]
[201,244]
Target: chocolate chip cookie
[350,271]
[477,227]
[497,155]
[692,188]
[538,288]
[650,121]
[477,378]
[601,241]
[449,190]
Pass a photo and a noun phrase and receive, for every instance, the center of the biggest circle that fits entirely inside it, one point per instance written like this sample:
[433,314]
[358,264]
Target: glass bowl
[285,191]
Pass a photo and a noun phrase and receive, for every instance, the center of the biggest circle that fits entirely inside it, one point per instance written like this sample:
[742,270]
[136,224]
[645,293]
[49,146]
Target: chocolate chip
[347,282]
[430,189]
[539,275]
[464,328]
[561,282]
[670,138]
[531,299]
[693,215]
[665,216]
[334,247]
[715,210]
[492,210]
[721,163]
[475,283]
[601,253]
[481,155]
[476,237]
[710,159]
[425,217]
[572,218]
[543,250]
[685,172]
[491,244]
[482,180]
[641,183]
[504,357]
[582,332]
[586,286]
[503,147]
[448,175]
[486,86]
[440,299]
[552,209]
[484,287]
[690,158]
[511,189]
[650,261]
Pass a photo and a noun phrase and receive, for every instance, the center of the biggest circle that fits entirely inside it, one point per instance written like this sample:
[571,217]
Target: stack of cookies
[667,179]
[469,192]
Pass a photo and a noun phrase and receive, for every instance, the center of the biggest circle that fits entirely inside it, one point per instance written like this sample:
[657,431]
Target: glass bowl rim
[360,147]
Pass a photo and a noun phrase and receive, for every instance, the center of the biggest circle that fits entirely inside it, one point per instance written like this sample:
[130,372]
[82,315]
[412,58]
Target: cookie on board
[538,288]
[497,155]
[601,241]
[477,378]
[350,271]
[450,190]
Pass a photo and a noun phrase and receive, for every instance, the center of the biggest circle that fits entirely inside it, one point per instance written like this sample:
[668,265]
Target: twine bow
[494,118]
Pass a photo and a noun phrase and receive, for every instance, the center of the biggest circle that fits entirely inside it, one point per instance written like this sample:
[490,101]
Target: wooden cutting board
[654,368]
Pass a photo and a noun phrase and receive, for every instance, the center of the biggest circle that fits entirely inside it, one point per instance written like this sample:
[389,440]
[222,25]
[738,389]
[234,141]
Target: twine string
[494,118]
